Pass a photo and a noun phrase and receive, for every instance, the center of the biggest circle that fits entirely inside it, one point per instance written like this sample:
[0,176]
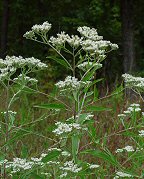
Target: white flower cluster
[65,128]
[93,42]
[122,174]
[63,175]
[44,28]
[60,39]
[11,63]
[97,47]
[70,83]
[133,108]
[87,65]
[133,82]
[90,33]
[66,153]
[141,133]
[30,35]
[70,166]
[25,78]
[53,148]
[89,116]
[10,113]
[74,41]
[38,29]
[93,166]
[2,162]
[127,148]
[19,164]
[121,115]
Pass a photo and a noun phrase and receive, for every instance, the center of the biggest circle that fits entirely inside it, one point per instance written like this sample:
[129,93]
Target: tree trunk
[128,35]
[4,29]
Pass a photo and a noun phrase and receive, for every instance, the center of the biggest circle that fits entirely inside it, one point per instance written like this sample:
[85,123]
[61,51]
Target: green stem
[6,128]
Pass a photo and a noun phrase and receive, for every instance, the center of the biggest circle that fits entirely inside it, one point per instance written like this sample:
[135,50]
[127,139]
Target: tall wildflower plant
[86,53]
[75,96]
[14,78]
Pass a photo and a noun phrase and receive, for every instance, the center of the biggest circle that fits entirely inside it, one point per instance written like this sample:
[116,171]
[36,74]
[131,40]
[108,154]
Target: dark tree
[128,34]
[4,28]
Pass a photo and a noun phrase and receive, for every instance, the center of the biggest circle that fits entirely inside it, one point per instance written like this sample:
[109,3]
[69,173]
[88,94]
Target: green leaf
[97,108]
[24,152]
[29,90]
[35,176]
[61,61]
[75,146]
[87,76]
[103,155]
[51,155]
[51,106]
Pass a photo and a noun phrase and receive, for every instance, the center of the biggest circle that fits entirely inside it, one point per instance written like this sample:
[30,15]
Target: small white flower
[119,150]
[90,33]
[59,40]
[87,65]
[121,115]
[93,166]
[65,153]
[70,166]
[122,174]
[63,175]
[127,112]
[29,35]
[135,105]
[70,83]
[25,78]
[129,148]
[54,148]
[133,82]
[74,40]
[44,28]
[126,148]
[141,133]
[63,128]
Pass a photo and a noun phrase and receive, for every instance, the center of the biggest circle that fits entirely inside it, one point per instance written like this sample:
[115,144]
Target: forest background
[120,21]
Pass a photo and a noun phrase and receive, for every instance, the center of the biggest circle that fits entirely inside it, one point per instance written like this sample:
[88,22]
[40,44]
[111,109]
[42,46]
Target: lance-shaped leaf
[97,108]
[51,106]
[61,61]
[51,155]
[106,156]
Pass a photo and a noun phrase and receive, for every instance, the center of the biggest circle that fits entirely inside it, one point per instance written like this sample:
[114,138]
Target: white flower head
[44,28]
[74,40]
[64,128]
[122,174]
[87,65]
[65,153]
[70,166]
[126,148]
[121,115]
[93,166]
[141,133]
[133,82]
[70,83]
[60,39]
[129,148]
[90,33]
